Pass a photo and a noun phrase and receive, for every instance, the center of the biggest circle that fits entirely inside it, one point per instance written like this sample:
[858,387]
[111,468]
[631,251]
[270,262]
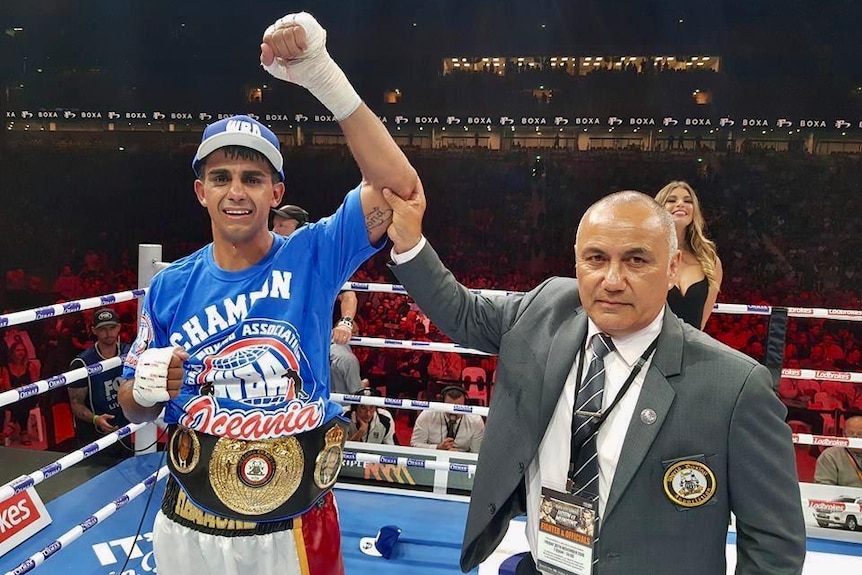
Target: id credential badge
[568,525]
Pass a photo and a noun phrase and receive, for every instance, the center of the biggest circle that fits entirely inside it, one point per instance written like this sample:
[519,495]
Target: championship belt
[257,480]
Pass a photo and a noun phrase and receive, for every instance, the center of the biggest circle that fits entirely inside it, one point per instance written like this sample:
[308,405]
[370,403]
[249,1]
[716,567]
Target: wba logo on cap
[242,126]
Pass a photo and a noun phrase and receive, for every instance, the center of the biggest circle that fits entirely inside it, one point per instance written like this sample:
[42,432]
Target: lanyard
[601,416]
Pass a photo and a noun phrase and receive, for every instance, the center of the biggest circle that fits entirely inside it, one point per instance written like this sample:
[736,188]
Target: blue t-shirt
[258,339]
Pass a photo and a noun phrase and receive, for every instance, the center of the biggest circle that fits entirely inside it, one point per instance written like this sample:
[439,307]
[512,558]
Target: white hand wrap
[315,70]
[151,377]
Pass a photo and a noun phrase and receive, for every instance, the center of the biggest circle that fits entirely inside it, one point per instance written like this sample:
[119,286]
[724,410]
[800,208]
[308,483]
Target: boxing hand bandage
[315,70]
[151,377]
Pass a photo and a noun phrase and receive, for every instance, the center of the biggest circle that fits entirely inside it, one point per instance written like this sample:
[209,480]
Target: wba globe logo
[260,370]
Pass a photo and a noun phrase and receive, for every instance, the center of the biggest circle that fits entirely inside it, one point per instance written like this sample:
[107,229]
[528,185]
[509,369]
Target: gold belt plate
[256,477]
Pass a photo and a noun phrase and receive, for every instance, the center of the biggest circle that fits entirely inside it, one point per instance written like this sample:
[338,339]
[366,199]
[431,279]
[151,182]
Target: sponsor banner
[827,440]
[21,516]
[821,375]
[845,313]
[800,311]
[832,375]
[576,120]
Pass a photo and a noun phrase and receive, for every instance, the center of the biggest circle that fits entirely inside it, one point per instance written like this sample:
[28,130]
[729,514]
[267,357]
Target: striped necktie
[589,398]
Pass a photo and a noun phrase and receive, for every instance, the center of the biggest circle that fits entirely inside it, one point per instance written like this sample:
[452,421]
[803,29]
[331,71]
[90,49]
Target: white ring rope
[416,345]
[827,440]
[26,481]
[809,312]
[470,469]
[39,313]
[65,378]
[99,516]
[416,405]
[821,375]
[413,404]
[59,309]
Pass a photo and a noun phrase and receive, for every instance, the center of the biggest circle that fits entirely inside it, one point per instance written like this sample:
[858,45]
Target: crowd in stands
[785,226]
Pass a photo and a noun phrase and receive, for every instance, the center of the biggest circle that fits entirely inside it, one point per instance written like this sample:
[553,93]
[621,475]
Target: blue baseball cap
[240,131]
[384,544]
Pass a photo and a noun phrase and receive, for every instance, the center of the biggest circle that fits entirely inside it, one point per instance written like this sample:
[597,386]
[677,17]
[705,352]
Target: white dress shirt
[551,465]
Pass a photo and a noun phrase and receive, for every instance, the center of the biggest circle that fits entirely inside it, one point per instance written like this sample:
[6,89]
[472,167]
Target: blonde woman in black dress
[700,273]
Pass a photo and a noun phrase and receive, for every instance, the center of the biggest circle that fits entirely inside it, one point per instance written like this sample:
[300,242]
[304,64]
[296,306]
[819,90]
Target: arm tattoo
[378,218]
[77,399]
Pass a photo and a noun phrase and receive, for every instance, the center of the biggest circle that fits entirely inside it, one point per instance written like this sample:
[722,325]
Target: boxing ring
[101,523]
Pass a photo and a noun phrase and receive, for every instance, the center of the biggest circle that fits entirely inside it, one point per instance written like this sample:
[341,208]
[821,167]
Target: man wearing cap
[233,340]
[449,431]
[94,398]
[370,424]
[287,219]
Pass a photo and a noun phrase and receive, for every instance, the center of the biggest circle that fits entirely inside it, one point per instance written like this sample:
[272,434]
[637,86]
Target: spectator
[344,368]
[67,285]
[20,371]
[445,366]
[699,280]
[287,219]
[842,465]
[368,423]
[449,431]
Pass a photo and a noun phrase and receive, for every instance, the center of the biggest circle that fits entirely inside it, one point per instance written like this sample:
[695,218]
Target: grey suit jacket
[711,403]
